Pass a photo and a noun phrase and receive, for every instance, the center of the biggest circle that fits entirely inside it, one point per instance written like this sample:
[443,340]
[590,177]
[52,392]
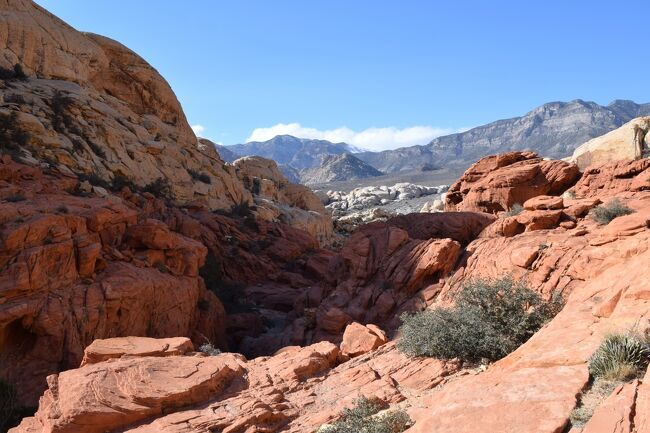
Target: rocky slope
[420,259]
[552,130]
[335,168]
[87,106]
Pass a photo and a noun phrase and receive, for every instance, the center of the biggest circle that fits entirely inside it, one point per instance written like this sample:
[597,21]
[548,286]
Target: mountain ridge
[553,129]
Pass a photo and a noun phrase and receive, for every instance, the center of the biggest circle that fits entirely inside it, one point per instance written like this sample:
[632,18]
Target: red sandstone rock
[616,413]
[496,183]
[544,202]
[101,350]
[359,339]
[613,178]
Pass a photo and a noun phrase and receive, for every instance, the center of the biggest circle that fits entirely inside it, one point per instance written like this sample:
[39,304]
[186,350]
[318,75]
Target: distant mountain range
[299,153]
[336,168]
[552,130]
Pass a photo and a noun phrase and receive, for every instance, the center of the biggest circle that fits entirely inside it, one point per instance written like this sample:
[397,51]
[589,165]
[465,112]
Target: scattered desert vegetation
[604,214]
[515,210]
[490,319]
[15,73]
[159,188]
[209,349]
[12,136]
[201,177]
[362,418]
[619,359]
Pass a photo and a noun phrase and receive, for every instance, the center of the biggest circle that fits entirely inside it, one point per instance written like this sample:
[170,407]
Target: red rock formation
[359,339]
[601,270]
[495,183]
[74,269]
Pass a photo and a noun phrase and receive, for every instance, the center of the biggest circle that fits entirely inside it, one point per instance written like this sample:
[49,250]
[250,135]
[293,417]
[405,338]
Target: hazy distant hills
[553,130]
[335,168]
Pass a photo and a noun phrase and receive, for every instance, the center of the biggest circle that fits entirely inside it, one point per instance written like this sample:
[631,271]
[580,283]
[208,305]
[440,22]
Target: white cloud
[374,139]
[198,130]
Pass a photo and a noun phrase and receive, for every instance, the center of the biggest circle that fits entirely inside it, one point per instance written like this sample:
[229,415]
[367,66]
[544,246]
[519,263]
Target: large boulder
[495,183]
[359,339]
[627,143]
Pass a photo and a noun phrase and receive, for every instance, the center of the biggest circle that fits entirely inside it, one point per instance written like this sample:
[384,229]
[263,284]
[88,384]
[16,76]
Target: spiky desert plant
[619,357]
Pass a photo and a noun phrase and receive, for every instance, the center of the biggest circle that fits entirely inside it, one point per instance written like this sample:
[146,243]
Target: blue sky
[377,73]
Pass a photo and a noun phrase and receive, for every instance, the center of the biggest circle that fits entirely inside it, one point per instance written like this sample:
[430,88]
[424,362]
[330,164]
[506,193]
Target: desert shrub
[15,198]
[590,400]
[515,210]
[619,357]
[241,210]
[12,136]
[201,177]
[490,319]
[93,179]
[15,73]
[362,419]
[97,149]
[60,105]
[604,214]
[159,188]
[120,181]
[209,349]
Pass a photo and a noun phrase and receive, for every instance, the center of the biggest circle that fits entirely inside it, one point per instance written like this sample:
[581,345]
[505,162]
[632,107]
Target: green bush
[604,214]
[201,177]
[619,357]
[515,210]
[120,181]
[159,188]
[490,319]
[15,73]
[360,419]
[12,136]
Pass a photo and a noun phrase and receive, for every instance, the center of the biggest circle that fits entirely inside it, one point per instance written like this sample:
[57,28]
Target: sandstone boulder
[627,143]
[359,339]
[101,350]
[496,183]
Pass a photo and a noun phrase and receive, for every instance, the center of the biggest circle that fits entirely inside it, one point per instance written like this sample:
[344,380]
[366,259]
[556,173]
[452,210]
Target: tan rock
[623,144]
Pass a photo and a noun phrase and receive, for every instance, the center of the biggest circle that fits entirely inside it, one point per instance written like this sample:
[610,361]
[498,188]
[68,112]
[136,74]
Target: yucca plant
[619,357]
